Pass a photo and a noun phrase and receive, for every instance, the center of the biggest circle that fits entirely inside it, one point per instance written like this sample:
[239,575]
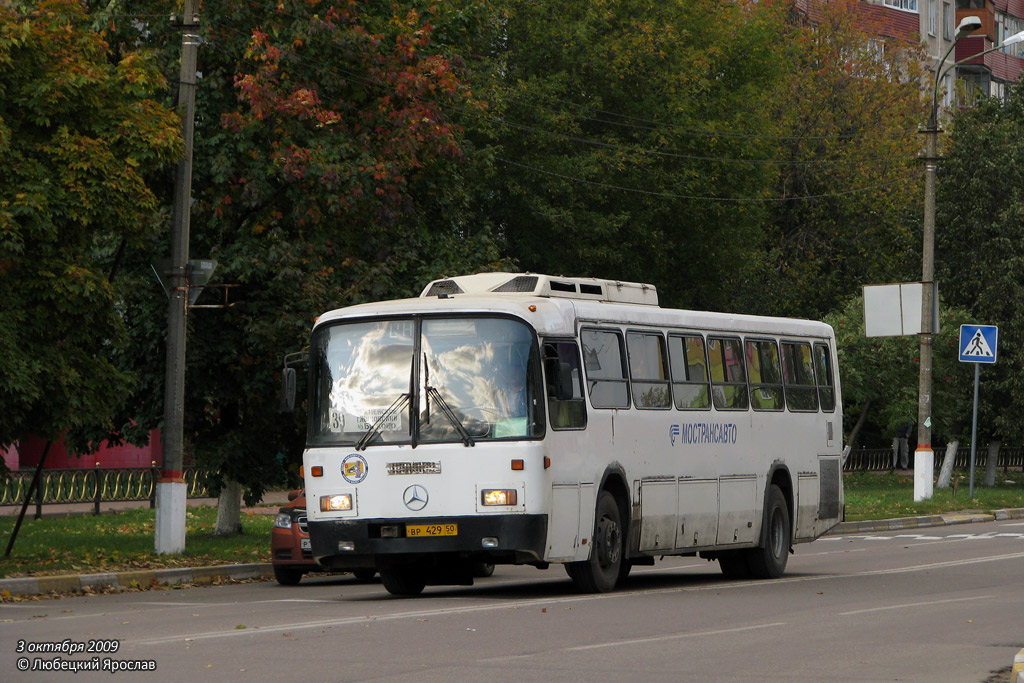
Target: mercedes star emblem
[415,498]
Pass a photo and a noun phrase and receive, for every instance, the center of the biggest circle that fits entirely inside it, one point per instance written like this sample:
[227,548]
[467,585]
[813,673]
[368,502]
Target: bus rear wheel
[769,560]
[402,580]
[600,572]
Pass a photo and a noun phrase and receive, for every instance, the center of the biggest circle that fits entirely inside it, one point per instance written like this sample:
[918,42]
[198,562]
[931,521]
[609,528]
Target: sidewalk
[73,583]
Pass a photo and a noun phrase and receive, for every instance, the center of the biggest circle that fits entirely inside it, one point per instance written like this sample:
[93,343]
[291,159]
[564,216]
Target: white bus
[514,418]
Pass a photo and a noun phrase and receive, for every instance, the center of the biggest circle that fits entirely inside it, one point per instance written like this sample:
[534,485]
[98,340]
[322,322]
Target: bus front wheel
[600,572]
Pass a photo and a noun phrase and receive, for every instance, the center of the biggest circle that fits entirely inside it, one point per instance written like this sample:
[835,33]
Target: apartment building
[934,22]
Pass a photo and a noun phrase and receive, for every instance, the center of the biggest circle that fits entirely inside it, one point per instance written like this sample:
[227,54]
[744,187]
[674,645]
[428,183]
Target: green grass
[884,495]
[124,540]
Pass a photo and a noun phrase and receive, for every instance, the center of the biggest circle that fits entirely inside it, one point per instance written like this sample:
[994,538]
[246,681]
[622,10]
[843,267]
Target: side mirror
[287,390]
[559,376]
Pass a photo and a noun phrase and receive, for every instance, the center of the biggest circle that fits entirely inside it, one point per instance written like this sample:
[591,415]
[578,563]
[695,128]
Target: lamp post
[924,457]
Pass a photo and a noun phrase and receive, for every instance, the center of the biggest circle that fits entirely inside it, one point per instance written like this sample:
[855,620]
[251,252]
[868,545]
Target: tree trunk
[946,471]
[856,431]
[991,463]
[229,509]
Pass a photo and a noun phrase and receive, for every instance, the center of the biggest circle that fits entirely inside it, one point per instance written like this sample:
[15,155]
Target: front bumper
[515,535]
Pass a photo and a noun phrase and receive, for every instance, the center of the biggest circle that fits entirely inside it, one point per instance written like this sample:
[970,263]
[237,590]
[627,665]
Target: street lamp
[924,457]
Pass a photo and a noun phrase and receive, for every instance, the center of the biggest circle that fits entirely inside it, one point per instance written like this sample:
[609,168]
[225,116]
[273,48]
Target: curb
[899,523]
[74,583]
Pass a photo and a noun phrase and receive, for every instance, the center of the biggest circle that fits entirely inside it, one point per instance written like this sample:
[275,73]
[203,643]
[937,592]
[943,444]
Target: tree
[980,243]
[627,139]
[847,115]
[82,143]
[327,172]
[880,374]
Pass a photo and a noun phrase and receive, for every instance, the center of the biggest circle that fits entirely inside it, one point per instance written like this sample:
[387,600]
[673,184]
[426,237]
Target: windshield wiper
[374,429]
[450,414]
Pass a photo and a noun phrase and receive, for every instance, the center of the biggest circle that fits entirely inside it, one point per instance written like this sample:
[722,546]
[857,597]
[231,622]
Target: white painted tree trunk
[946,471]
[992,464]
[229,509]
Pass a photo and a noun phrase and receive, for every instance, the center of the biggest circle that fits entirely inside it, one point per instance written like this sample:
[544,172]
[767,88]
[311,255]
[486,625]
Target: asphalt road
[942,604]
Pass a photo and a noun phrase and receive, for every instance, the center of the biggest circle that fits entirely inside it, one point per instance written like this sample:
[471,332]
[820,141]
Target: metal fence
[880,459]
[94,485]
[114,484]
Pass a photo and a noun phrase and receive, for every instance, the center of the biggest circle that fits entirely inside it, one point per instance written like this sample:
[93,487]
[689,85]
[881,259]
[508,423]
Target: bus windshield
[425,380]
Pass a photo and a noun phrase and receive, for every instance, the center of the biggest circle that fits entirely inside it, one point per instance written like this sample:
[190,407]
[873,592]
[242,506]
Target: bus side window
[765,375]
[689,372]
[648,373]
[825,378]
[728,380]
[798,374]
[566,407]
[606,368]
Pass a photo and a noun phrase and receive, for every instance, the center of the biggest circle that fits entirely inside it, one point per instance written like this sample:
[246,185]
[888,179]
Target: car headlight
[283,520]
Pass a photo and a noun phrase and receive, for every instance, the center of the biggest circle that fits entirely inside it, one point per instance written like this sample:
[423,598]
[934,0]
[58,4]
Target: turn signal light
[499,497]
[316,471]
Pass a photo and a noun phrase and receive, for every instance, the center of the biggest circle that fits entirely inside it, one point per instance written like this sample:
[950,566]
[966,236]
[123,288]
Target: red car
[289,544]
[290,549]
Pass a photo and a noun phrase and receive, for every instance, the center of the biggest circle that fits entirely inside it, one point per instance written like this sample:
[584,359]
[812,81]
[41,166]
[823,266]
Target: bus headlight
[339,501]
[498,497]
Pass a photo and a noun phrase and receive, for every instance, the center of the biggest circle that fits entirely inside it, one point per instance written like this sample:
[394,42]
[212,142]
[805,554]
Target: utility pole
[171,488]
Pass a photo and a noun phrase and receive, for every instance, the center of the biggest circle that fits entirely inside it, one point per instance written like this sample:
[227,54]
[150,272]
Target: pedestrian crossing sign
[978,343]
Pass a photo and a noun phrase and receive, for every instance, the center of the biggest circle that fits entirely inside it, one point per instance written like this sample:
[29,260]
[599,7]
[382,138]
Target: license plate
[305,544]
[420,530]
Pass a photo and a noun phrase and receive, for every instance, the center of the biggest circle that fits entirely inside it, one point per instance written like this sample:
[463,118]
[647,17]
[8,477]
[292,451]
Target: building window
[970,4]
[947,21]
[931,17]
[909,5]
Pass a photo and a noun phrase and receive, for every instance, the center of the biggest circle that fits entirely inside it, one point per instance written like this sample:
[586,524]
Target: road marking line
[448,611]
[914,604]
[675,636]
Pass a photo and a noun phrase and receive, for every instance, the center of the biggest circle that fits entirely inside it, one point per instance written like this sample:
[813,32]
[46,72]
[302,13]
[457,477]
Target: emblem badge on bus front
[415,498]
[354,468]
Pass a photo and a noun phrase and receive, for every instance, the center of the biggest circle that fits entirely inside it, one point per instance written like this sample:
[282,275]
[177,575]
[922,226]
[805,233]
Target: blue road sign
[978,343]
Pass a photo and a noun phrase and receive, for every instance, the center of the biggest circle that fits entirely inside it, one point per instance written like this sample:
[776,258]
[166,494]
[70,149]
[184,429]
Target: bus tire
[769,560]
[600,572]
[402,580]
